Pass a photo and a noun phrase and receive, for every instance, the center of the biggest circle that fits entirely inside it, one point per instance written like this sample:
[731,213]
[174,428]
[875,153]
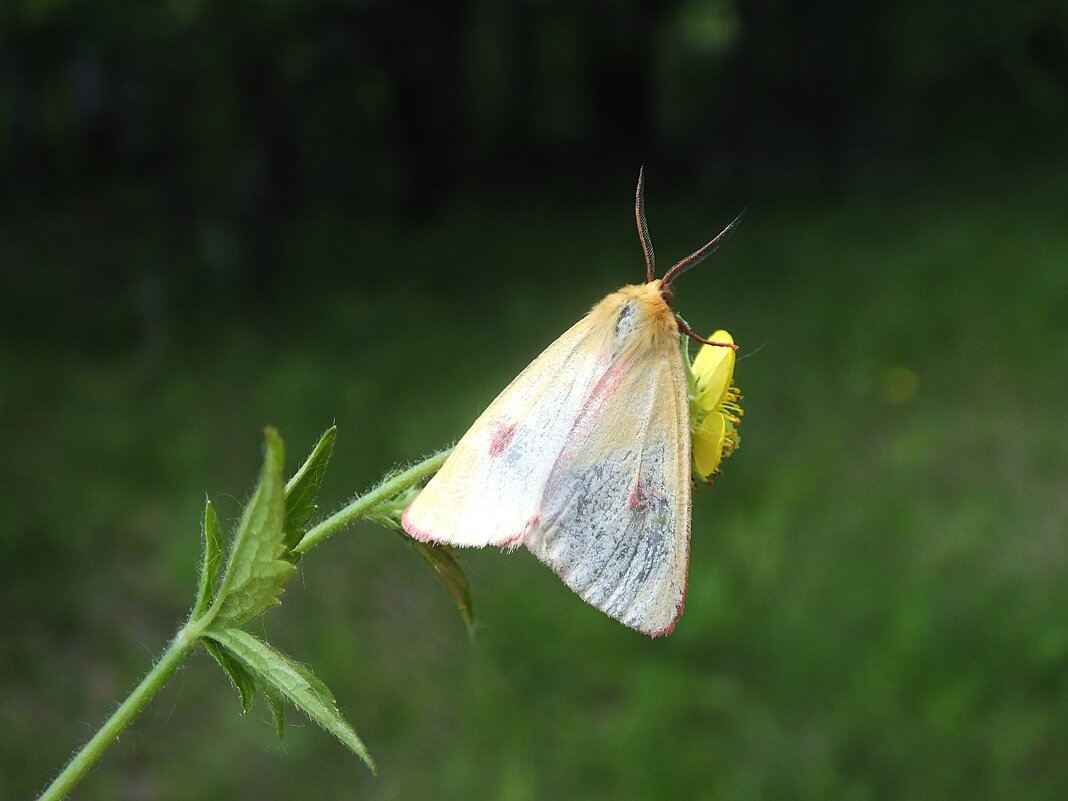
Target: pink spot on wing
[602,390]
[637,497]
[642,494]
[502,436]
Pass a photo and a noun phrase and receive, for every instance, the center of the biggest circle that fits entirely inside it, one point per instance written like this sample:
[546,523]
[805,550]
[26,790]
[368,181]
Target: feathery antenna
[643,227]
[700,255]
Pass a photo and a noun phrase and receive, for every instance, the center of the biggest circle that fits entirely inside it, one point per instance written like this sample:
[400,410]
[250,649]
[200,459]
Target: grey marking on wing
[625,323]
[609,564]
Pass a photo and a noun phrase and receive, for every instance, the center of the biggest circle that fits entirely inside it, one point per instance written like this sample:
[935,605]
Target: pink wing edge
[512,542]
[682,601]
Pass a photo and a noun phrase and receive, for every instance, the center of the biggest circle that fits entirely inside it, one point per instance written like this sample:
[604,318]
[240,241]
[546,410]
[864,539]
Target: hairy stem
[365,504]
[180,647]
[188,636]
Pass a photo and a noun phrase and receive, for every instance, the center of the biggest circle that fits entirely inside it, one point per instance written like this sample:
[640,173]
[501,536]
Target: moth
[584,458]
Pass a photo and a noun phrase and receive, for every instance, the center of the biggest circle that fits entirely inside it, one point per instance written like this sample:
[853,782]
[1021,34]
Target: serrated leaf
[303,487]
[316,683]
[259,591]
[212,558]
[272,667]
[256,572]
[278,709]
[244,683]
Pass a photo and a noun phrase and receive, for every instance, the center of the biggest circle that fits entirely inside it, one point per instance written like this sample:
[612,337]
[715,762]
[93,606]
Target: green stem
[182,644]
[187,637]
[365,504]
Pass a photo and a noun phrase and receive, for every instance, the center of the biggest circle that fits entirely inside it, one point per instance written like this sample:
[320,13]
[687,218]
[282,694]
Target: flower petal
[708,445]
[714,368]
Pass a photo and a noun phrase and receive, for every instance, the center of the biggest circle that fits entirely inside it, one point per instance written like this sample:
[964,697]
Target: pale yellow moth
[585,457]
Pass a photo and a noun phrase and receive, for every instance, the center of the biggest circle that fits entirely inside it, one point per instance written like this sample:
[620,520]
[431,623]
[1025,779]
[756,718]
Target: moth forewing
[584,458]
[488,490]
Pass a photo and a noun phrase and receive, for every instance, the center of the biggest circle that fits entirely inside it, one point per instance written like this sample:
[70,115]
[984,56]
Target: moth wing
[615,514]
[489,490]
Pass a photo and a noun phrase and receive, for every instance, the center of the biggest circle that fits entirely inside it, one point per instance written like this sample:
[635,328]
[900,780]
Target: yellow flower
[715,413]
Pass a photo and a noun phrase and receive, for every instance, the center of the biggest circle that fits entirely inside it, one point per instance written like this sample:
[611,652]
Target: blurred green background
[218,216]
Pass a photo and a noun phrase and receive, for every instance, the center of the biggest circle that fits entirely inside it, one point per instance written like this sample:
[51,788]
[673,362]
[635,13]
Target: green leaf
[437,557]
[295,682]
[278,709]
[239,677]
[257,572]
[449,572]
[315,682]
[260,591]
[303,487]
[212,558]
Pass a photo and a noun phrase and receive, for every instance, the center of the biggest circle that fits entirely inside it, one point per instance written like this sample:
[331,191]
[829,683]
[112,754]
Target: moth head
[637,317]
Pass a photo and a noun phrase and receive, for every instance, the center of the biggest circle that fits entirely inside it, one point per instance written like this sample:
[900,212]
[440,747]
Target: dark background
[218,216]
